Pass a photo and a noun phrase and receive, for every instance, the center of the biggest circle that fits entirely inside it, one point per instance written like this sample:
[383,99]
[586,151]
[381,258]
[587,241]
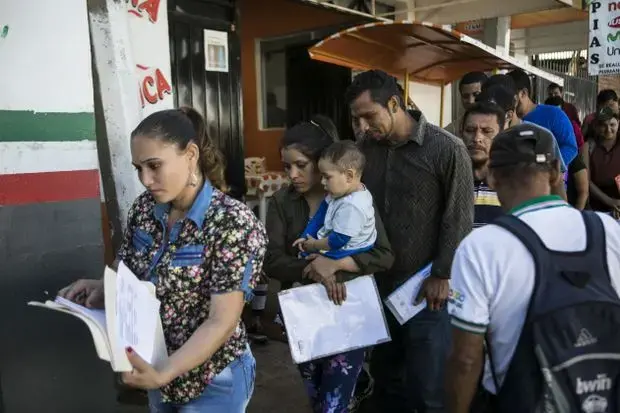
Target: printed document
[317,328]
[137,312]
[401,301]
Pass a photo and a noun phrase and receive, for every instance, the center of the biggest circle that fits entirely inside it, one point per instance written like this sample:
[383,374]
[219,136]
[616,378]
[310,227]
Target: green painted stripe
[29,126]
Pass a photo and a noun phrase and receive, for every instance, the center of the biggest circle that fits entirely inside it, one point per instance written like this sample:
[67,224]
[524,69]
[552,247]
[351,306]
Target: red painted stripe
[19,189]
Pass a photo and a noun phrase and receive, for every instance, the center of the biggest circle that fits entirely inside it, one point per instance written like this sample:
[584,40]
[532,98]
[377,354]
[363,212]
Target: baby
[344,224]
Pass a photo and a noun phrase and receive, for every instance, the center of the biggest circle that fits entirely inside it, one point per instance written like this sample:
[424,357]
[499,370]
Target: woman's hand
[143,375]
[323,270]
[88,293]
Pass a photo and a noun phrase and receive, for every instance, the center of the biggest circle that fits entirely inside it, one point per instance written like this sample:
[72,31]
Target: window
[273,84]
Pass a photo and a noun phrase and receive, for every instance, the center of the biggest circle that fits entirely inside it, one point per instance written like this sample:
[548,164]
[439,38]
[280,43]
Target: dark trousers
[409,370]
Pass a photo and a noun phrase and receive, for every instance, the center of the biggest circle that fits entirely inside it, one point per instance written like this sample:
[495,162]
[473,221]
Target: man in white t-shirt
[493,273]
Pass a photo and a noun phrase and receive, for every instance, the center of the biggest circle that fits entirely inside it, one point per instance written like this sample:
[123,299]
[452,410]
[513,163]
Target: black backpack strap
[523,232]
[596,239]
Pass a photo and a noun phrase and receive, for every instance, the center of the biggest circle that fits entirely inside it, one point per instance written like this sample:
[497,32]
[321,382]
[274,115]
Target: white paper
[137,312]
[216,51]
[400,302]
[97,315]
[317,328]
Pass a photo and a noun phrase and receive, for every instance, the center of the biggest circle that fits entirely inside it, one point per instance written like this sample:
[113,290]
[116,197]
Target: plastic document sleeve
[317,328]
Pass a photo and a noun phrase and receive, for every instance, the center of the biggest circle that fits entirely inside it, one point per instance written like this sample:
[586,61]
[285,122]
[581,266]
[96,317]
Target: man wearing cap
[493,273]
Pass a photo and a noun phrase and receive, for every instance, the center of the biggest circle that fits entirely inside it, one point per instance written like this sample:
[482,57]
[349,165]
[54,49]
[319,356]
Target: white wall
[428,99]
[45,56]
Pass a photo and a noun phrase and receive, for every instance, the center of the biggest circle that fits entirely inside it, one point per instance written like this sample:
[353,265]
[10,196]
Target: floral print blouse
[217,248]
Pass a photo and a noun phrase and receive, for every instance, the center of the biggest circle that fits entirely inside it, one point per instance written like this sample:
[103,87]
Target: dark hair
[380,85]
[502,80]
[605,96]
[312,137]
[345,155]
[182,127]
[500,95]
[604,115]
[486,108]
[522,81]
[554,101]
[555,86]
[473,77]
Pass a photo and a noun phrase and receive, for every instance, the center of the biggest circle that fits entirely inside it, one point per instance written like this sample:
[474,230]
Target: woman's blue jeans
[229,392]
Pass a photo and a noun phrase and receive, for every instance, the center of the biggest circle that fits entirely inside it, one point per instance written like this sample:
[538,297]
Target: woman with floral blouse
[204,252]
[330,382]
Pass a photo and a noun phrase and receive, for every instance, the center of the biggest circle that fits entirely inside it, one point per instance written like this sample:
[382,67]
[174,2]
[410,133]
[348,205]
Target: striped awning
[428,53]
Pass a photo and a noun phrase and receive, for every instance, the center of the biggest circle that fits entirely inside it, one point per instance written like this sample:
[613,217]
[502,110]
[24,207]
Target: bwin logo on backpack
[600,384]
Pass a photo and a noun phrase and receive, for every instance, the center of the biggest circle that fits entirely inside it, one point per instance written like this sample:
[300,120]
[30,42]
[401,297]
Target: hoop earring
[193,180]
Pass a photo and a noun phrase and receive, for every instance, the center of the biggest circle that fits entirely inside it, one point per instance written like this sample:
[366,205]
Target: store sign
[148,25]
[471,27]
[604,40]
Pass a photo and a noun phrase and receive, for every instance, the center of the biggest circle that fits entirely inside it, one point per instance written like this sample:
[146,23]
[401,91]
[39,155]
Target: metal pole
[406,88]
[441,105]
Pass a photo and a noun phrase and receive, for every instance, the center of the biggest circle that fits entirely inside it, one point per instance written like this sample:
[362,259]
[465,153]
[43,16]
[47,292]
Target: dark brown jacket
[287,217]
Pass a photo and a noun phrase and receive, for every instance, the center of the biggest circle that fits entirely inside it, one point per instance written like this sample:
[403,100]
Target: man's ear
[556,175]
[393,104]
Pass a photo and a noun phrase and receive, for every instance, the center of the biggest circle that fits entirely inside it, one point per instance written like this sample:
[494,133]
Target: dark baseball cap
[499,95]
[524,143]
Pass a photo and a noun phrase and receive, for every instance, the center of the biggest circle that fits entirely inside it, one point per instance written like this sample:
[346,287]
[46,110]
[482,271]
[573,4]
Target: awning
[425,52]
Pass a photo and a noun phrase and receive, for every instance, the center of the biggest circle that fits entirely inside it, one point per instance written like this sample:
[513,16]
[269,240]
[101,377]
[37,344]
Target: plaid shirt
[422,189]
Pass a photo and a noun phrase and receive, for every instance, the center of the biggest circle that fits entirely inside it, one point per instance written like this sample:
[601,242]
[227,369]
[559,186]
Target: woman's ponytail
[211,160]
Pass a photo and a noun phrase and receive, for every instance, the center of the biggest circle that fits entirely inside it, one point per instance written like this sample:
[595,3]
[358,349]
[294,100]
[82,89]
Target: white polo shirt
[493,274]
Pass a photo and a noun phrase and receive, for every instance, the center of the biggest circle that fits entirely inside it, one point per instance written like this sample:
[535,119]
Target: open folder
[131,318]
[318,328]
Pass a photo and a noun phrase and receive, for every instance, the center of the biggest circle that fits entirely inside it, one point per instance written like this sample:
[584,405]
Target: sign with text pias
[604,40]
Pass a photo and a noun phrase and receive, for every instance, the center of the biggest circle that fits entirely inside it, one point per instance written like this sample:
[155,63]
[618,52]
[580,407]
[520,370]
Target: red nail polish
[129,350]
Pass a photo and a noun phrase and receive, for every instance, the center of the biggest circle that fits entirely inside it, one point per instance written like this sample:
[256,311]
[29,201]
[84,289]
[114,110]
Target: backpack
[567,359]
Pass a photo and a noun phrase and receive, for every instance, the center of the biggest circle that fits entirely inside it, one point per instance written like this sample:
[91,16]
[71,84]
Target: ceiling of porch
[453,11]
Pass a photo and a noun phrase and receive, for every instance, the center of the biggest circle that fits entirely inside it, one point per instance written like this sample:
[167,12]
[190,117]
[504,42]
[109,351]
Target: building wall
[50,219]
[263,19]
[428,99]
[609,82]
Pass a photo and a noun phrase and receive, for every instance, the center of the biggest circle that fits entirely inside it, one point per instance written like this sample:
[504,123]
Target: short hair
[345,155]
[605,96]
[554,101]
[473,77]
[486,108]
[555,86]
[381,86]
[520,175]
[522,81]
[502,80]
[498,94]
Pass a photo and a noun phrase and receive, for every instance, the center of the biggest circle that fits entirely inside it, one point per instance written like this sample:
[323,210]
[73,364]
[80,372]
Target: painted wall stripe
[22,125]
[20,189]
[31,157]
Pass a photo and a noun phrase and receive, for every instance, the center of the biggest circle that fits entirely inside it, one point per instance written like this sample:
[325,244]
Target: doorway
[314,87]
[216,94]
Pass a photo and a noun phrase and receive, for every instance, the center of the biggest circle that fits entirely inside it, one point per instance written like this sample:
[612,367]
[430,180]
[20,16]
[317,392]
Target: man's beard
[479,163]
